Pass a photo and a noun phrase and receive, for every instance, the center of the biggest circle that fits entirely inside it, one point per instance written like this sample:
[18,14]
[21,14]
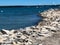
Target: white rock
[7,31]
[33,26]
[23,37]
[11,32]
[29,42]
[50,27]
[2,39]
[40,44]
[44,30]
[40,38]
[28,29]
[47,35]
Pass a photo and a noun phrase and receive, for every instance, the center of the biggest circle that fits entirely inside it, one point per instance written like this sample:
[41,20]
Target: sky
[29,2]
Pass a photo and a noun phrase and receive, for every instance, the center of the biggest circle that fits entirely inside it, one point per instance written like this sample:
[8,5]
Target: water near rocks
[16,17]
[45,33]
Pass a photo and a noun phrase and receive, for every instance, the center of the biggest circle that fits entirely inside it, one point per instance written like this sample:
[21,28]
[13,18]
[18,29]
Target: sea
[16,17]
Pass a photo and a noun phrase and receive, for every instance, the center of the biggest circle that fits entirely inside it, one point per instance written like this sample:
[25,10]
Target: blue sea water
[16,17]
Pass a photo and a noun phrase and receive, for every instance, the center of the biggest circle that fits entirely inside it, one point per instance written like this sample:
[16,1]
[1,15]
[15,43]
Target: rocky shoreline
[34,35]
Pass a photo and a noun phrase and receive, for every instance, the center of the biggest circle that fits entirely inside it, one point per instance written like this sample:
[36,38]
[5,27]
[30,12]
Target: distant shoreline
[26,5]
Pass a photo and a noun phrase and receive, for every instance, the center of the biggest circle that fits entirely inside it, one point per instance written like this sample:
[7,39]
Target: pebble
[44,30]
[23,37]
[40,44]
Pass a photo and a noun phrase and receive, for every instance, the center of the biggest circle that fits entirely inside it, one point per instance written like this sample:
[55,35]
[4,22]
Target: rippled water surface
[20,17]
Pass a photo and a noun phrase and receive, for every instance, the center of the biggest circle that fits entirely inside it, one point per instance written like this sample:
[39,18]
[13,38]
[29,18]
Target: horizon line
[29,5]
